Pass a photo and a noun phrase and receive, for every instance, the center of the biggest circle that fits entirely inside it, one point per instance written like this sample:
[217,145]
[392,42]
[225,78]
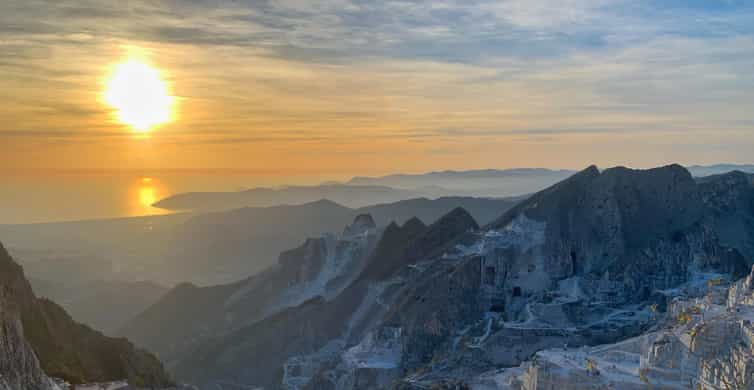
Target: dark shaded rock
[434,307]
[361,225]
[729,199]
[389,254]
[187,311]
[19,366]
[414,224]
[450,226]
[304,262]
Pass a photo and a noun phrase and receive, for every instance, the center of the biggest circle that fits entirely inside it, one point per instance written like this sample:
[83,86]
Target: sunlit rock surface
[705,342]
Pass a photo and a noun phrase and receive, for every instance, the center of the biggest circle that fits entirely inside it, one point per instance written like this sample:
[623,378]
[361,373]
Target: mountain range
[362,191]
[365,191]
[595,259]
[615,278]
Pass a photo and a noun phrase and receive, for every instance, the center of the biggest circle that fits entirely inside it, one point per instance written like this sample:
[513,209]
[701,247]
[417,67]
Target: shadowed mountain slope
[67,349]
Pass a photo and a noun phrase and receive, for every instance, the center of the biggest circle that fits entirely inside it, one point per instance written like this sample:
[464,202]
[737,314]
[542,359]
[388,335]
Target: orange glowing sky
[345,87]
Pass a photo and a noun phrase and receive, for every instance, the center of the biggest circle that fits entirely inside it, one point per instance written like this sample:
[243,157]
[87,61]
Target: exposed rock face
[626,233]
[62,348]
[730,201]
[363,224]
[707,343]
[19,366]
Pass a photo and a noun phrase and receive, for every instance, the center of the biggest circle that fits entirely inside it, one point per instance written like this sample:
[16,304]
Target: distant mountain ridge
[716,169]
[361,191]
[349,195]
[409,180]
[364,191]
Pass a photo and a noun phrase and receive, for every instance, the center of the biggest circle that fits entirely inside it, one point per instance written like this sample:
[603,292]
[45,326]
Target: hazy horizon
[33,195]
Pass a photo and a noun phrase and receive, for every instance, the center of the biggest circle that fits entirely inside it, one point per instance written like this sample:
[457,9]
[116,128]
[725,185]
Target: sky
[373,87]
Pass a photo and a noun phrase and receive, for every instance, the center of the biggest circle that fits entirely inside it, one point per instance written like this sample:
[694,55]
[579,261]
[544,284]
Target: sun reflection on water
[145,192]
[147,197]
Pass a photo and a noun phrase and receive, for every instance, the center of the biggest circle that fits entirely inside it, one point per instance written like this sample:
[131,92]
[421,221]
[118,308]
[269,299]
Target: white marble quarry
[706,344]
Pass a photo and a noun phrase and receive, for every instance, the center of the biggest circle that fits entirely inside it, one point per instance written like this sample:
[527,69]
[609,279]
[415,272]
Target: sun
[139,95]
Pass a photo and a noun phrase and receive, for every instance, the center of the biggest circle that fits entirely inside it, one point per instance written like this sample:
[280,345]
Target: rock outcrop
[705,342]
[19,366]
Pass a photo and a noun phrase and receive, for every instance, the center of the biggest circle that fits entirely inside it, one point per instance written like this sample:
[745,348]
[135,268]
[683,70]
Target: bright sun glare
[139,95]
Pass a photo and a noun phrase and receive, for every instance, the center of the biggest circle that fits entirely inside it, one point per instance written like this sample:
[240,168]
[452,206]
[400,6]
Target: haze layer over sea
[52,196]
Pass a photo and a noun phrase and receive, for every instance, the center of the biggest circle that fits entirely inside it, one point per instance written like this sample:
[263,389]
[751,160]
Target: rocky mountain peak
[415,224]
[388,255]
[362,224]
[12,281]
[459,218]
[453,224]
[19,366]
[660,199]
[7,265]
[553,199]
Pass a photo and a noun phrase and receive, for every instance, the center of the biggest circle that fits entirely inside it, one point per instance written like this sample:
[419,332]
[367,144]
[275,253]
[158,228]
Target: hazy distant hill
[483,182]
[104,305]
[363,191]
[707,170]
[505,182]
[348,195]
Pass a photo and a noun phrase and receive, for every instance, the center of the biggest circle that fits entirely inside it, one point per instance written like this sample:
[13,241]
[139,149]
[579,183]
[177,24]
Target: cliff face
[706,343]
[19,366]
[61,347]
[639,231]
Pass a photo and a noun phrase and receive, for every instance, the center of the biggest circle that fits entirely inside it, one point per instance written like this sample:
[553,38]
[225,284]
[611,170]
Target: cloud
[348,71]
